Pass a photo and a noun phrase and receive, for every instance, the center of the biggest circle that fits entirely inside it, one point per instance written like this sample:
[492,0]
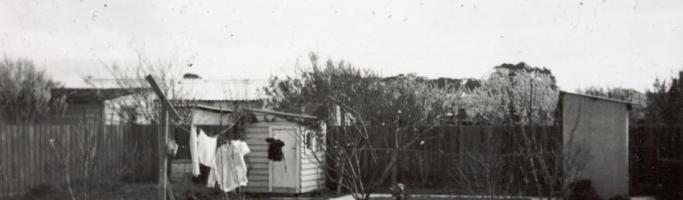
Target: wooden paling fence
[656,161]
[433,160]
[35,155]
[28,158]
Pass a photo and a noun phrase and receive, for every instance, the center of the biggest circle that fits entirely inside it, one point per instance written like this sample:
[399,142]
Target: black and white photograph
[341,100]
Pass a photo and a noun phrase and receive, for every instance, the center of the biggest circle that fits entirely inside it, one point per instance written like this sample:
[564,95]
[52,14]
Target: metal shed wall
[599,126]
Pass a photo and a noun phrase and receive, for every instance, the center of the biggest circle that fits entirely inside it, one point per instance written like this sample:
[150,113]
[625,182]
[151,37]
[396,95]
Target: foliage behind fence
[27,159]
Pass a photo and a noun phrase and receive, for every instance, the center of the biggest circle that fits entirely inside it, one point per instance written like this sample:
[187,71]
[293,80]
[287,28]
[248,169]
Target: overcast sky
[625,43]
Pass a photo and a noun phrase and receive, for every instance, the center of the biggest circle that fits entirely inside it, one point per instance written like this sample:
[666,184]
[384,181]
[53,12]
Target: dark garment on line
[203,175]
[275,149]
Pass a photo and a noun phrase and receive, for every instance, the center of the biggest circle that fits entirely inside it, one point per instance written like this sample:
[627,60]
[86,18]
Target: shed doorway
[284,174]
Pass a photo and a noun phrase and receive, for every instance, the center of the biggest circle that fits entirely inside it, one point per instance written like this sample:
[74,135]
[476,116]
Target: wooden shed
[300,170]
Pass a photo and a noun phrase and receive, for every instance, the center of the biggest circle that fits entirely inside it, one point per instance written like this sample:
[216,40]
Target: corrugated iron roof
[206,89]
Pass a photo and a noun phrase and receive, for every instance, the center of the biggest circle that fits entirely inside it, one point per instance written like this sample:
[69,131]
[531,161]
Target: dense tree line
[25,93]
[338,91]
[664,103]
[512,94]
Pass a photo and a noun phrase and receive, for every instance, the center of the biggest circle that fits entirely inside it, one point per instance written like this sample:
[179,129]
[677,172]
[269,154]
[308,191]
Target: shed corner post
[270,163]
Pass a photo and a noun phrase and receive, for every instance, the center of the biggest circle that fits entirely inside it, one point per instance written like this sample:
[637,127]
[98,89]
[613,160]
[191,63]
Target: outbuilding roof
[88,94]
[211,90]
[206,89]
[628,104]
[264,111]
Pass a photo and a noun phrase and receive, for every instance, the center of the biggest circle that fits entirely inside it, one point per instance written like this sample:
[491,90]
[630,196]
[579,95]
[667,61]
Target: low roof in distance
[89,94]
[204,89]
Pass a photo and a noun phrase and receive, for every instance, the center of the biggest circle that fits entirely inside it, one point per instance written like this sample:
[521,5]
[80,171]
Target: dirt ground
[183,189]
[119,190]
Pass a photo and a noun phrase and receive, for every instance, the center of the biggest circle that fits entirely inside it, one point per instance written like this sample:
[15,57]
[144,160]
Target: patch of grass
[45,192]
[105,190]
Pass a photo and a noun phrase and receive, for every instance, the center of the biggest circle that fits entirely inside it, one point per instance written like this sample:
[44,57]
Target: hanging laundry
[203,176]
[206,148]
[275,149]
[244,150]
[193,151]
[230,170]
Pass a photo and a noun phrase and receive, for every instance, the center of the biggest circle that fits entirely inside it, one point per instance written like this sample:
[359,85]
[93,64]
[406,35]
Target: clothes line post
[167,110]
[163,158]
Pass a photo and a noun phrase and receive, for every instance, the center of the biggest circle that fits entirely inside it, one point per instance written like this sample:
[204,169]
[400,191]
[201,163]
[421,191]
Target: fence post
[163,139]
[394,154]
[461,144]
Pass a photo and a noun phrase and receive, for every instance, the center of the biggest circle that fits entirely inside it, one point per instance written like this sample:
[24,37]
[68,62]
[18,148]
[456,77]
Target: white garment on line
[206,149]
[193,151]
[229,170]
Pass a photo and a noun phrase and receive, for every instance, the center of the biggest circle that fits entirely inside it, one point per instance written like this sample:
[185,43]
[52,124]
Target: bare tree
[553,160]
[484,169]
[142,105]
[86,148]
[405,109]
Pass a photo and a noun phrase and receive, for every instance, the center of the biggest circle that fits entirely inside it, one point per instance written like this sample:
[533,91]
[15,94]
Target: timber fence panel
[14,160]
[3,157]
[23,150]
[37,155]
[431,160]
[28,160]
[11,160]
[32,157]
[6,159]
[655,154]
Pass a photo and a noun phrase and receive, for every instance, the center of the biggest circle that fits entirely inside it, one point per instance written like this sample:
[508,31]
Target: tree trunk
[340,178]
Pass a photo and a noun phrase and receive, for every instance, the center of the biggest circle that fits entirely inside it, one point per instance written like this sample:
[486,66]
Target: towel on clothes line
[202,150]
[193,151]
[206,148]
[229,169]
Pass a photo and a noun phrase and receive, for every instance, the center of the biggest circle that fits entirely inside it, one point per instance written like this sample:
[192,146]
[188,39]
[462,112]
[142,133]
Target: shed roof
[264,111]
[214,109]
[629,105]
[284,114]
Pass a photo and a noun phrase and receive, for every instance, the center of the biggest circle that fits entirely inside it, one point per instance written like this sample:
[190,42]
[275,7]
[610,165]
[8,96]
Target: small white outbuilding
[301,168]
